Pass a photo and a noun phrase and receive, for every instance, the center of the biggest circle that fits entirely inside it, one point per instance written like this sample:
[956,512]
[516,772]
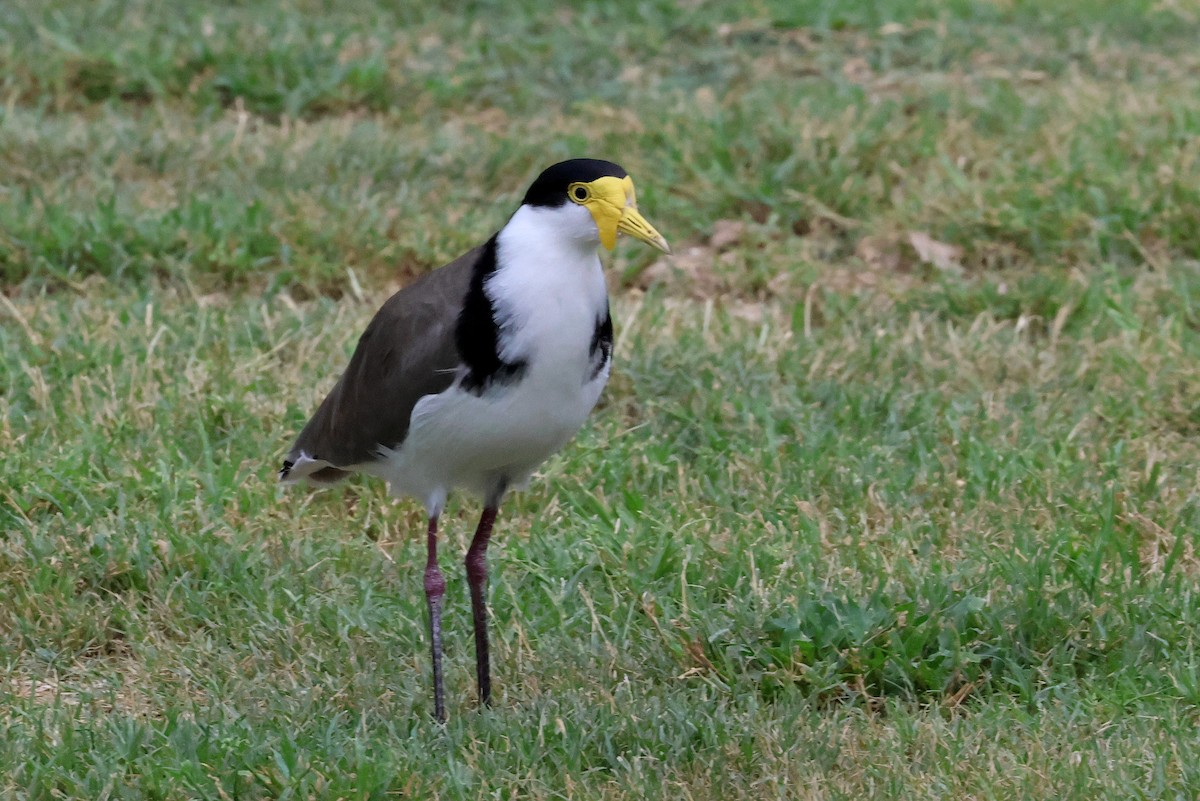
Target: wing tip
[312,469]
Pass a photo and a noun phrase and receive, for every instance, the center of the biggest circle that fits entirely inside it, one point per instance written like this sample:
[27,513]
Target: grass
[854,519]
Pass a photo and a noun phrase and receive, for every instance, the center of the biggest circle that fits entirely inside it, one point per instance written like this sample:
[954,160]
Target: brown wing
[407,352]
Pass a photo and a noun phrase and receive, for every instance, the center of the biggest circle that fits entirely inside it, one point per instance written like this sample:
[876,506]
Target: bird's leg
[477,578]
[435,588]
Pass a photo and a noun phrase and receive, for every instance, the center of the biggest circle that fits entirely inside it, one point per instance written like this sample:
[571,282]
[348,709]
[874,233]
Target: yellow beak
[634,224]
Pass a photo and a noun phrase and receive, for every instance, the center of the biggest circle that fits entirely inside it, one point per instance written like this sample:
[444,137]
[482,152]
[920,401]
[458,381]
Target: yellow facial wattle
[612,202]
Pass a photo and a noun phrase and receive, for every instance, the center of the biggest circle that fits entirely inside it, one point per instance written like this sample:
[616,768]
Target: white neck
[548,288]
[568,230]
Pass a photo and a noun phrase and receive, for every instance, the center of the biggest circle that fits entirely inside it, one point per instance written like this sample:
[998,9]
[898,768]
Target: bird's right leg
[435,588]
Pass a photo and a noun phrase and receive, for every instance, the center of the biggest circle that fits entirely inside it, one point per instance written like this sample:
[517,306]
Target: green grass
[848,524]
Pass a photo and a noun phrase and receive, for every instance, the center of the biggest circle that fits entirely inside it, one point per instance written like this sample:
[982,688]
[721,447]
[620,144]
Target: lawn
[894,493]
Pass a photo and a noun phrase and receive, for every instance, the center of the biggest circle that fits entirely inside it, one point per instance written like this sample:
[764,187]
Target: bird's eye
[580,193]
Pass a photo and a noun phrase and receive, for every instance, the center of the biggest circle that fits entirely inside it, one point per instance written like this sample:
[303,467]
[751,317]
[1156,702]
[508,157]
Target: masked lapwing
[473,375]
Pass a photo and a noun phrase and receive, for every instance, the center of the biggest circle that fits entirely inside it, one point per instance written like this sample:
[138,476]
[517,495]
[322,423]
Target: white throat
[548,288]
[565,229]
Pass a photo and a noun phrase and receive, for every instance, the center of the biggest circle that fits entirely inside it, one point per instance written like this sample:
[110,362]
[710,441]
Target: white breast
[549,294]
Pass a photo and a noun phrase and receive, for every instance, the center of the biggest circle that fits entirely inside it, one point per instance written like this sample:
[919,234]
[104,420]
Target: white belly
[482,443]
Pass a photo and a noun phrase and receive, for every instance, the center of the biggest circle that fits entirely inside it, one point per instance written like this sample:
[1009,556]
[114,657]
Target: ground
[893,494]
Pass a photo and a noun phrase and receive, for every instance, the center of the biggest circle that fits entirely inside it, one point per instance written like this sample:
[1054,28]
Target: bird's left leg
[435,588]
[477,578]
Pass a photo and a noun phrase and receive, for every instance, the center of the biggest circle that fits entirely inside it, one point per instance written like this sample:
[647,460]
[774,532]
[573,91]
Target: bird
[470,377]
